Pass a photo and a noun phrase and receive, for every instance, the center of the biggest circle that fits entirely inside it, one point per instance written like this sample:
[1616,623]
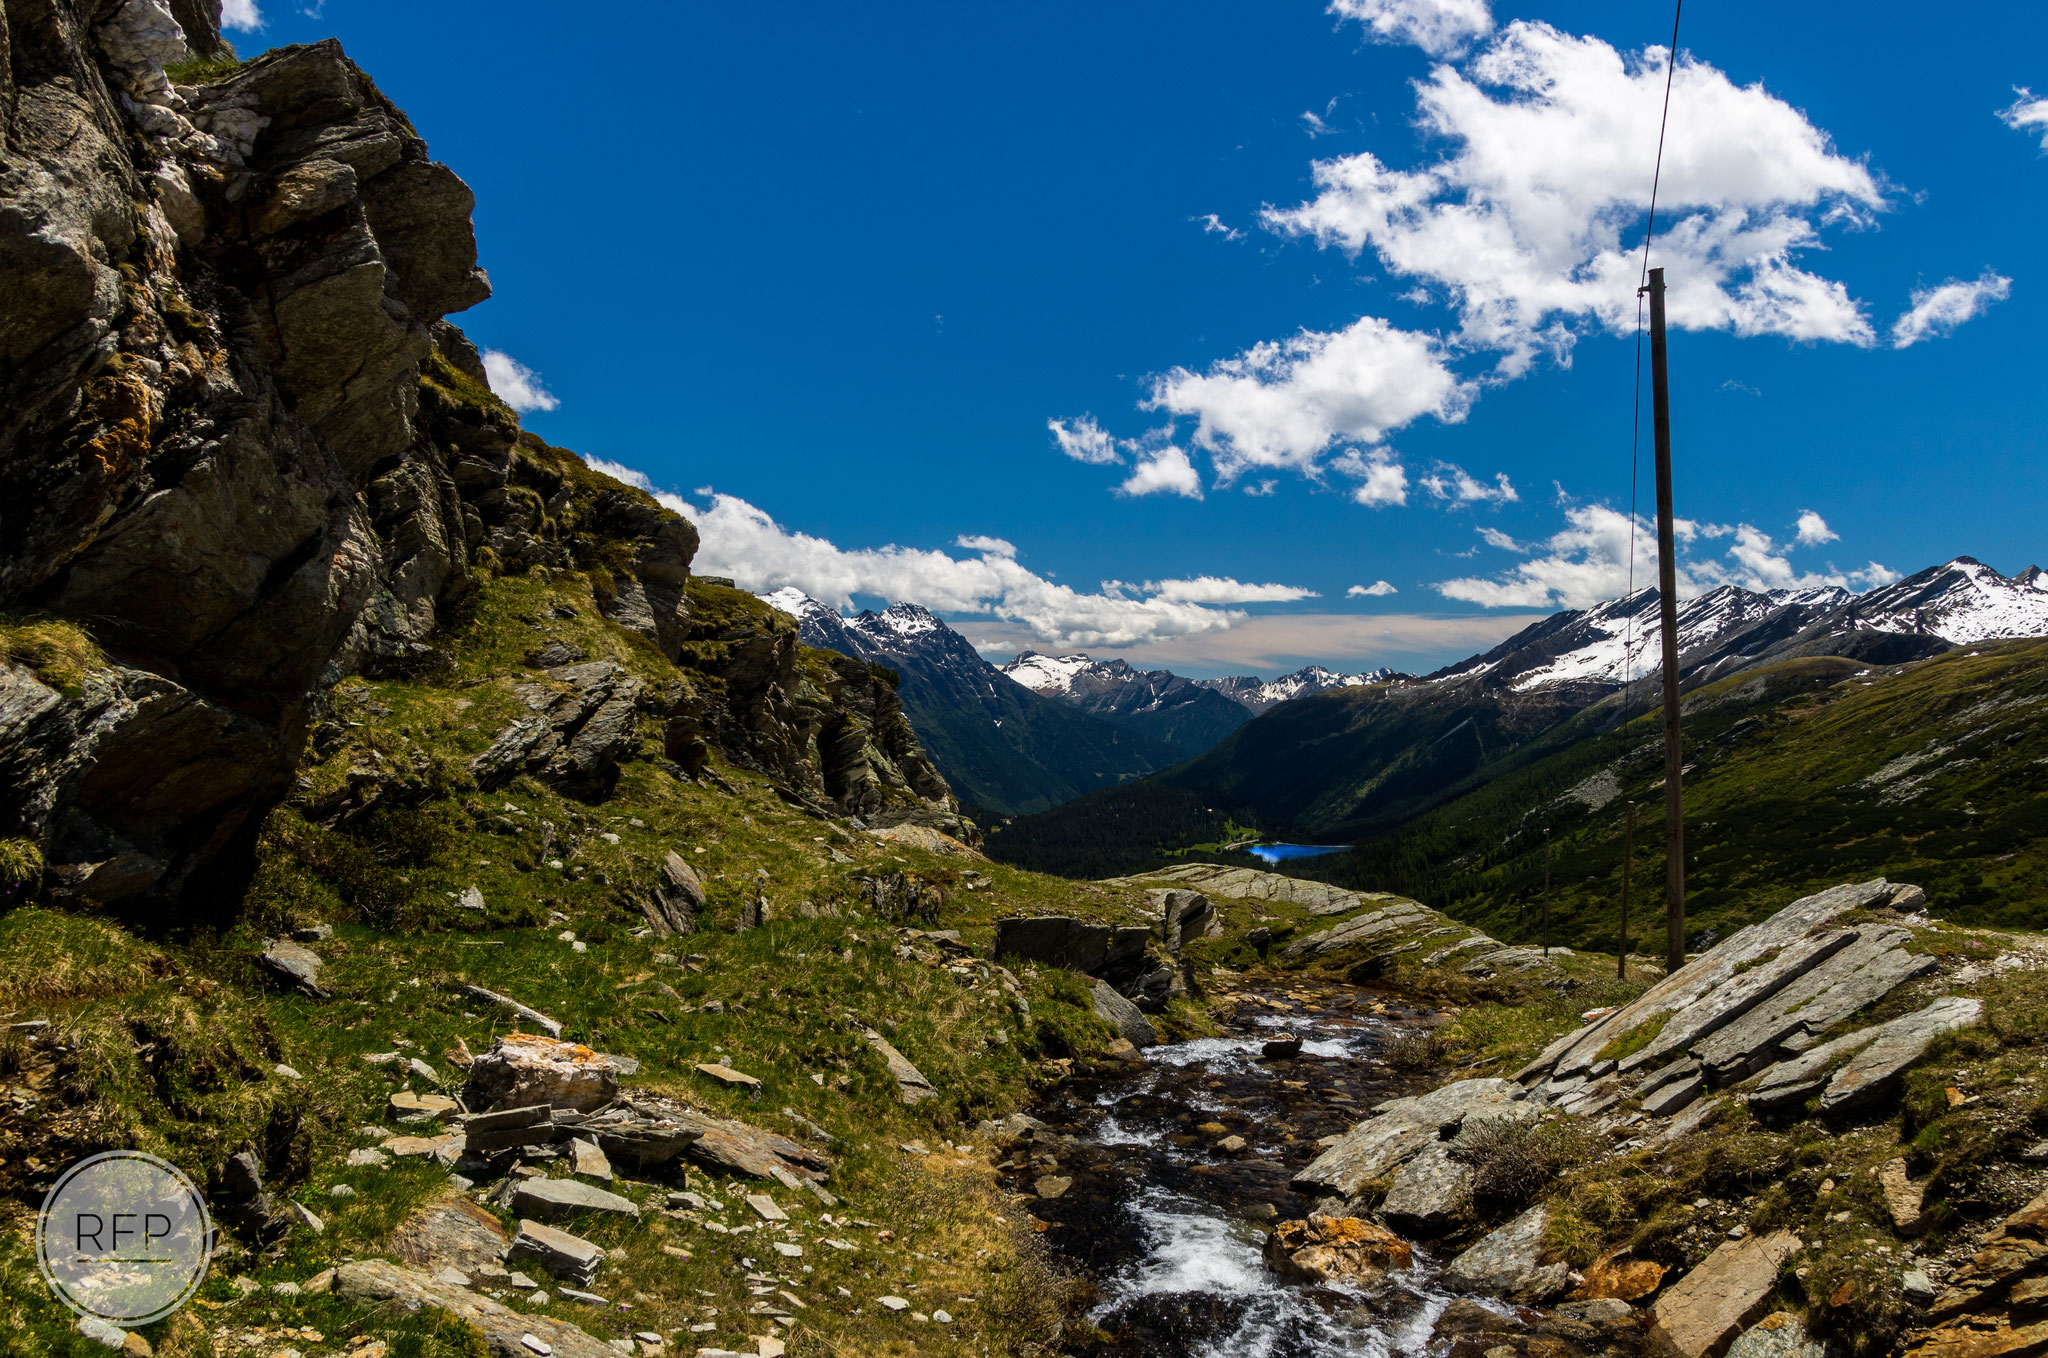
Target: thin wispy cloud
[1214,225]
[1213,589]
[1939,311]
[1085,441]
[1450,482]
[1438,27]
[516,384]
[2027,114]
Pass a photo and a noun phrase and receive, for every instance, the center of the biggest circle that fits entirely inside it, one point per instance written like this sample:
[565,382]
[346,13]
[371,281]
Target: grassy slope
[1788,792]
[170,1039]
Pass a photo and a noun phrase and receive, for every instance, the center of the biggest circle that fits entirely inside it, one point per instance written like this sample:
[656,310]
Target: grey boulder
[1508,1263]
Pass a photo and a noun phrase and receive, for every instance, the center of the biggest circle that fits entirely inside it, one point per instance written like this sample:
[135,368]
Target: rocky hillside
[1005,749]
[1797,775]
[245,457]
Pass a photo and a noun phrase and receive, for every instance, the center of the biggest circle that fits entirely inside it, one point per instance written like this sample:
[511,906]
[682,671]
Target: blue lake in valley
[1277,853]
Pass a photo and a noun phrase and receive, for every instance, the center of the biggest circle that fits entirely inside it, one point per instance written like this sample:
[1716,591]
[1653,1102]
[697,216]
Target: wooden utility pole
[1667,590]
[1628,854]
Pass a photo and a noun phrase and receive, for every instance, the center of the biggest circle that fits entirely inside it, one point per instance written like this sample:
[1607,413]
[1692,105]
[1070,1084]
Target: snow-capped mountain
[1964,601]
[1184,713]
[1001,746]
[1960,603]
[1256,694]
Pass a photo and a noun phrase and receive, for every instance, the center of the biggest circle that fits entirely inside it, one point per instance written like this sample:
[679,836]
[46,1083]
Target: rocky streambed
[1162,1178]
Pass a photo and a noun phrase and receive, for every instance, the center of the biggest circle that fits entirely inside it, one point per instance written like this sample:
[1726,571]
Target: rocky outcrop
[240,444]
[1120,955]
[1753,1013]
[506,1333]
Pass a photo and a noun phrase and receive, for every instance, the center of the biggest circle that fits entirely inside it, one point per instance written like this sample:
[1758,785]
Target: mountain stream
[1168,1212]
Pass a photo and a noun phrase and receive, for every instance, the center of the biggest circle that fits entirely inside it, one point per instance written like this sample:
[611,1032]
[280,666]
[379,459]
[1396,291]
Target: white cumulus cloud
[975,542]
[1164,470]
[761,555]
[1382,480]
[516,384]
[1529,220]
[1284,404]
[1587,561]
[1438,27]
[1493,537]
[241,14]
[1814,530]
[1378,589]
[1938,311]
[2027,114]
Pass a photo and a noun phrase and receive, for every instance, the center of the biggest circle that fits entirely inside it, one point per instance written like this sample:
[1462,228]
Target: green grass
[1777,805]
[167,1035]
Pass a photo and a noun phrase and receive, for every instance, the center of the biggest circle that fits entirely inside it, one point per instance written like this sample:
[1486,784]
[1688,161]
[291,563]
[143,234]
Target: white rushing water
[1204,1259]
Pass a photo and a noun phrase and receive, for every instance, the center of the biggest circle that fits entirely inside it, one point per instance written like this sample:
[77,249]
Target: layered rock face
[240,446]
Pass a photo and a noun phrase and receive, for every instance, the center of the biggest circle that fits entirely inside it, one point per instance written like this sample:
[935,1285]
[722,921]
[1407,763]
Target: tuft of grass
[60,653]
[1514,1163]
[205,70]
[49,957]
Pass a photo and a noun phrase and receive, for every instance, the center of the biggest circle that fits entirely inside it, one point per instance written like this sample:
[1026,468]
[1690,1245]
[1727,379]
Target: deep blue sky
[844,262]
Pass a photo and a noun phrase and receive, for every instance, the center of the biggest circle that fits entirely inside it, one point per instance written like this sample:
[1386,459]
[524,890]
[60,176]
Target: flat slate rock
[1508,1263]
[910,1081]
[1745,950]
[1869,968]
[554,1199]
[454,1234]
[1402,1129]
[1428,1193]
[568,1257]
[1874,1072]
[1702,1313]
[1251,884]
[374,1281]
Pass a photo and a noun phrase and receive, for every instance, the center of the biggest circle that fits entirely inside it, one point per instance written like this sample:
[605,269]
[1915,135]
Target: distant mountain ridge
[1090,683]
[1187,715]
[1001,746]
[1258,695]
[1731,628]
[1364,759]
